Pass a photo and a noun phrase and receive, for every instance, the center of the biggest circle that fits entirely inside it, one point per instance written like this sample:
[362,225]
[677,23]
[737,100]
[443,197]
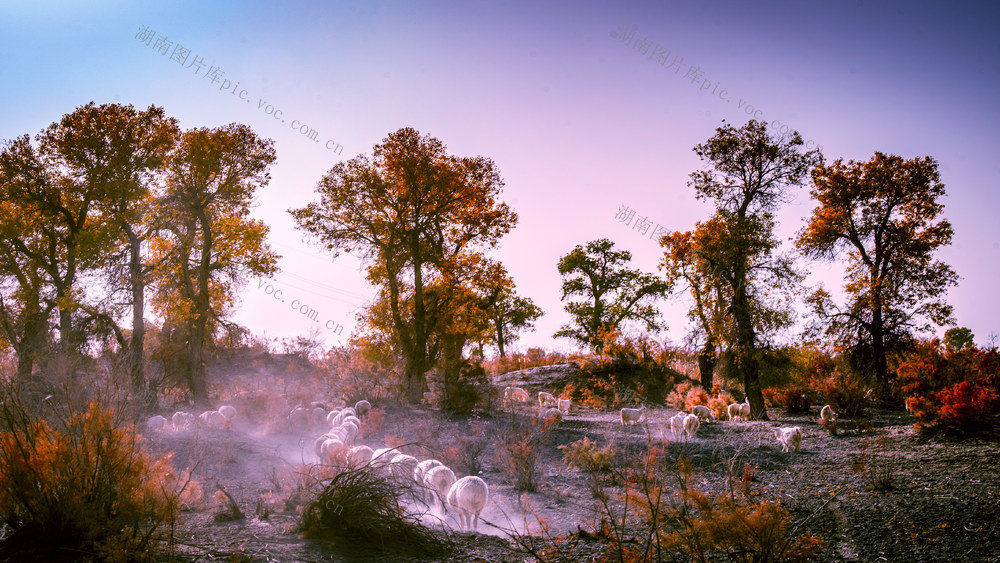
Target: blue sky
[578,122]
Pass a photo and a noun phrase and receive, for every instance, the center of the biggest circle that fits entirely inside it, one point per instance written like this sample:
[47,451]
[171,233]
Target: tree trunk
[746,347]
[136,348]
[706,365]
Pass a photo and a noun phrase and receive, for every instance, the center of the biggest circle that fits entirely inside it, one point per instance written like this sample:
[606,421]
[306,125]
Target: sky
[585,108]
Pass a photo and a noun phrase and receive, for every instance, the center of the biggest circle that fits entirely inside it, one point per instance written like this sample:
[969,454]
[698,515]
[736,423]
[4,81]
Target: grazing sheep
[156,423]
[546,400]
[382,456]
[734,410]
[826,415]
[361,455]
[565,405]
[332,449]
[691,424]
[402,466]
[423,467]
[515,394]
[362,407]
[182,420]
[553,416]
[214,419]
[739,411]
[468,497]
[632,416]
[745,409]
[330,416]
[429,397]
[439,480]
[789,437]
[677,424]
[703,412]
[228,412]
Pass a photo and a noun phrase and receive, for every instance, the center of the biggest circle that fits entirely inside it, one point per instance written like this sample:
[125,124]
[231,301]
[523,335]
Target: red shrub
[966,404]
[794,399]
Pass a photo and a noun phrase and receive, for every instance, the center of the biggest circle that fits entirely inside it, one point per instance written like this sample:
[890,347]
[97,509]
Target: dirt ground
[945,504]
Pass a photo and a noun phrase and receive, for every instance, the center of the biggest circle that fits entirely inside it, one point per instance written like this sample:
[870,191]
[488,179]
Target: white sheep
[739,411]
[677,425]
[423,467]
[382,457]
[317,415]
[156,423]
[565,405]
[789,437]
[691,424]
[429,397]
[439,480]
[402,467]
[515,394]
[362,407]
[632,416]
[332,449]
[331,415]
[361,455]
[826,415]
[468,497]
[214,419]
[228,412]
[745,409]
[349,431]
[182,420]
[553,416]
[703,412]
[546,400]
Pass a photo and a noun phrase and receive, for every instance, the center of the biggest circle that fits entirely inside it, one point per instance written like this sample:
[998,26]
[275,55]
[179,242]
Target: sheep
[789,437]
[423,467]
[565,405]
[468,497]
[331,449]
[734,410]
[156,423]
[349,431]
[214,419]
[677,424]
[318,405]
[349,411]
[553,416]
[826,415]
[382,456]
[352,419]
[332,415]
[745,409]
[317,415]
[182,420]
[632,416]
[362,407]
[402,466]
[691,424]
[546,400]
[703,412]
[361,454]
[429,397]
[228,412]
[439,480]
[739,410]
[515,394]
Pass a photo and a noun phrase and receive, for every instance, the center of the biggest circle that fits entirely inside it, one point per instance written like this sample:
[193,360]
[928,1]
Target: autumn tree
[503,313]
[118,153]
[211,245]
[686,270]
[748,176]
[409,211]
[883,217]
[612,293]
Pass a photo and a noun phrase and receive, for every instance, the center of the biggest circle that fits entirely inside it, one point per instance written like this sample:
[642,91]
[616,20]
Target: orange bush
[87,486]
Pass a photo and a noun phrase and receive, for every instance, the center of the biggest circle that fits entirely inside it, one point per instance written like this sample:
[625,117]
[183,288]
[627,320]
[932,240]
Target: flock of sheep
[220,418]
[680,425]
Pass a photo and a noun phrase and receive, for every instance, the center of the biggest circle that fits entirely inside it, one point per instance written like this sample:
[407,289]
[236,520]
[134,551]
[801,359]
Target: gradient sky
[577,122]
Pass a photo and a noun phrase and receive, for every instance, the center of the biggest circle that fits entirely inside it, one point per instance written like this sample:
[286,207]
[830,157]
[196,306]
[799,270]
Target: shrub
[720,404]
[794,399]
[845,392]
[678,395]
[953,391]
[517,451]
[468,389]
[85,486]
[629,368]
[465,453]
[363,509]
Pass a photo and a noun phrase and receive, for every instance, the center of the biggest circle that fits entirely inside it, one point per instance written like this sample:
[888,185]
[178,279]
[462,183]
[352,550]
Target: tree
[613,293]
[118,153]
[686,269]
[212,245]
[959,338]
[883,214]
[410,211]
[748,177]
[503,313]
